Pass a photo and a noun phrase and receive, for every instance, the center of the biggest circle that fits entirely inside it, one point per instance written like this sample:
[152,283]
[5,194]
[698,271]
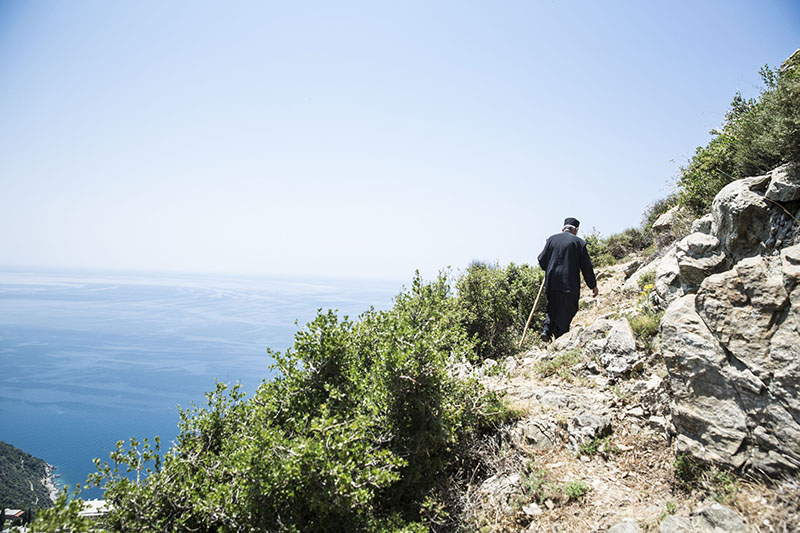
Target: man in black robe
[563,259]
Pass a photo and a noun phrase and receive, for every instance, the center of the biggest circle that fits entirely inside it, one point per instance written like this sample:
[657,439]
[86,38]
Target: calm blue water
[89,359]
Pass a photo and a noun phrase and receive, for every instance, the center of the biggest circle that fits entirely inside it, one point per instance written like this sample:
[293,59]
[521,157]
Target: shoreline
[50,482]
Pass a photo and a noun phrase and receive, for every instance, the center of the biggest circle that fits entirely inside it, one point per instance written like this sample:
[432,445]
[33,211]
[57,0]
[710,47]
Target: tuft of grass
[535,487]
[686,470]
[575,490]
[503,412]
[647,278]
[601,445]
[645,326]
[725,486]
[559,365]
[670,508]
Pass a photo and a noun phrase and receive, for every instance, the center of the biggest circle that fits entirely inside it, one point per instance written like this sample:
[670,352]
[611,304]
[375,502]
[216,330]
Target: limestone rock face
[703,224]
[669,284]
[662,227]
[784,185]
[741,216]
[749,217]
[733,355]
[618,354]
[698,257]
[609,340]
[585,427]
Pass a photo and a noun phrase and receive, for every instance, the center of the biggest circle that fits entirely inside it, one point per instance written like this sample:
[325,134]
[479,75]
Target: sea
[91,358]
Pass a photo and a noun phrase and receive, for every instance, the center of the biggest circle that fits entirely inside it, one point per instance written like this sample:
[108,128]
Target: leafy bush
[535,487]
[757,136]
[647,318]
[645,326]
[646,280]
[598,250]
[630,240]
[686,470]
[607,251]
[356,430]
[494,303]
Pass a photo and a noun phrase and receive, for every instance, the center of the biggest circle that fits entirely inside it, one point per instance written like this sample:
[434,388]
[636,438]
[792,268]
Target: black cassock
[563,260]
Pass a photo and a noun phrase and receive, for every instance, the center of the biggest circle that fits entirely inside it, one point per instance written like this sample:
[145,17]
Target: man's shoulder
[566,237]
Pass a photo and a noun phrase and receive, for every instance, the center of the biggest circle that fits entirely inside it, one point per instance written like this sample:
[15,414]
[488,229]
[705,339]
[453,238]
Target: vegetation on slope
[360,430]
[21,477]
[758,135]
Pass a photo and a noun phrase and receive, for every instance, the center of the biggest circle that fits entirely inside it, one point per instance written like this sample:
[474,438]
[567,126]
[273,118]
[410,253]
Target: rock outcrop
[608,340]
[749,217]
[730,334]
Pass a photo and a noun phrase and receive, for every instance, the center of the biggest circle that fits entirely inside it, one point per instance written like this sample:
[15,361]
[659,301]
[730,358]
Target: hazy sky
[353,139]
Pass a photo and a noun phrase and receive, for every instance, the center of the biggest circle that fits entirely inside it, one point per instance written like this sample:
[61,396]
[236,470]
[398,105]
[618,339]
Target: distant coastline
[50,482]
[26,481]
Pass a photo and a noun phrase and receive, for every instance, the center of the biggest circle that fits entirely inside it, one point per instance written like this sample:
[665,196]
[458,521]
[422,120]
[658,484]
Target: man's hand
[595,292]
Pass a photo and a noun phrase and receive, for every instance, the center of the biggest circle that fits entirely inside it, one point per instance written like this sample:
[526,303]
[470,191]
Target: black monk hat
[569,221]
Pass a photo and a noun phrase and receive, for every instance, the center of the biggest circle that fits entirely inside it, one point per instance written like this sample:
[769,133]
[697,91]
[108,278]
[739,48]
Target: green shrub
[757,136]
[628,241]
[647,319]
[609,250]
[494,303]
[686,469]
[726,486]
[535,487]
[646,280]
[575,490]
[645,326]
[598,250]
[601,445]
[360,424]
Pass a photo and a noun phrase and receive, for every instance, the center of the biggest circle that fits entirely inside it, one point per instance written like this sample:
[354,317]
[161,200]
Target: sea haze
[89,359]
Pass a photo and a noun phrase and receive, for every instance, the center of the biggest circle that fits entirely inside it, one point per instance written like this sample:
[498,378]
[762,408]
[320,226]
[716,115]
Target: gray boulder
[586,427]
[676,524]
[733,356]
[741,217]
[715,517]
[608,340]
[631,267]
[579,336]
[628,525]
[749,217]
[617,354]
[669,285]
[703,224]
[664,225]
[541,433]
[784,185]
[698,256]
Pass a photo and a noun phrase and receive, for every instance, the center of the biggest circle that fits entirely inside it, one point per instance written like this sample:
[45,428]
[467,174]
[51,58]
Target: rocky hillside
[25,481]
[693,428]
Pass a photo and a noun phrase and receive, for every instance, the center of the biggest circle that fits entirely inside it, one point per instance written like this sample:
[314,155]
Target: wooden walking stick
[530,316]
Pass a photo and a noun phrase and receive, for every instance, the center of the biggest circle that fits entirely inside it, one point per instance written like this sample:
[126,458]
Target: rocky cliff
[730,332]
[25,481]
